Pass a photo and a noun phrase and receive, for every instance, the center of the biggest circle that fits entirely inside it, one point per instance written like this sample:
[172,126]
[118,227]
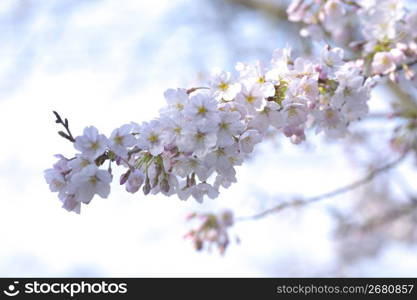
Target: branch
[368,178]
[65,123]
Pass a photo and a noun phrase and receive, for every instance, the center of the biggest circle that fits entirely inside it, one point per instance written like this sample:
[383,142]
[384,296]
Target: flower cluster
[212,230]
[324,18]
[194,146]
[383,29]
[77,180]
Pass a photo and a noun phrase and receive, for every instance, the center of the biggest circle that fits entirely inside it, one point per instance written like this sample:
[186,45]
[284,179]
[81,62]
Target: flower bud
[165,185]
[147,186]
[135,181]
[124,177]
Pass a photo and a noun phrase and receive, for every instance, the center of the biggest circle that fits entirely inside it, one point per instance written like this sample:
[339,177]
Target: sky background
[106,63]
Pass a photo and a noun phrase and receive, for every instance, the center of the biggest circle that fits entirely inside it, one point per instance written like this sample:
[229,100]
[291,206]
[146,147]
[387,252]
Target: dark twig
[65,123]
[368,178]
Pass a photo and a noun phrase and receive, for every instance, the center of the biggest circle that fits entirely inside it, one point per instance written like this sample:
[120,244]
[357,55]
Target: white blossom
[70,203]
[91,143]
[192,148]
[383,63]
[249,139]
[122,139]
[256,75]
[151,137]
[56,180]
[251,97]
[220,160]
[177,99]
[80,162]
[229,127]
[203,189]
[223,87]
[331,121]
[202,107]
[88,182]
[135,181]
[186,165]
[199,138]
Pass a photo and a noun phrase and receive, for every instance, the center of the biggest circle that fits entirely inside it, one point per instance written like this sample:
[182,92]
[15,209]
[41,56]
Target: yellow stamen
[84,163]
[153,138]
[386,61]
[199,136]
[250,99]
[307,88]
[118,140]
[329,114]
[179,106]
[223,125]
[202,110]
[94,146]
[223,86]
[292,112]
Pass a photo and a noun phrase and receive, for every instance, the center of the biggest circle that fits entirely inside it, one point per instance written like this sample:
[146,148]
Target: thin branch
[368,178]
[65,123]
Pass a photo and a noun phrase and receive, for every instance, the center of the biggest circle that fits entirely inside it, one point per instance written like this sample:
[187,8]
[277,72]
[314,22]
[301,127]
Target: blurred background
[108,62]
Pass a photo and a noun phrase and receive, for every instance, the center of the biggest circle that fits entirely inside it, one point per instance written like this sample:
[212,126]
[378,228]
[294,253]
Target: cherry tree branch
[352,186]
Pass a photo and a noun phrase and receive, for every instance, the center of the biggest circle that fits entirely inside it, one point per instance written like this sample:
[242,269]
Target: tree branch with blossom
[192,149]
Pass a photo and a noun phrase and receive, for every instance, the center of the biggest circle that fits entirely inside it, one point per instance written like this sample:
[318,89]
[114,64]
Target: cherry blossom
[194,146]
[91,143]
[90,181]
